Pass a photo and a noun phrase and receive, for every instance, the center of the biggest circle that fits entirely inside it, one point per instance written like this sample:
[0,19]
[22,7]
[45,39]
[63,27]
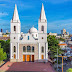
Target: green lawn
[1,62]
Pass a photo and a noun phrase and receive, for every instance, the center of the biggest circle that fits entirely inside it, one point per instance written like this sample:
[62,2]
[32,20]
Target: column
[39,51]
[46,50]
[18,50]
[11,51]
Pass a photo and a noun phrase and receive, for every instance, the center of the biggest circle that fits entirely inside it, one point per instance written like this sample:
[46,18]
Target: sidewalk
[27,66]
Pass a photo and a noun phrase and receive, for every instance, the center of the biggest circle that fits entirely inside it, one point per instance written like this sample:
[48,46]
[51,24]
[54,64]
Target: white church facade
[31,46]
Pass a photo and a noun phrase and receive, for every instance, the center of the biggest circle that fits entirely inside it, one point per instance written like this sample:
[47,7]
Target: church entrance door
[32,58]
[24,57]
[28,58]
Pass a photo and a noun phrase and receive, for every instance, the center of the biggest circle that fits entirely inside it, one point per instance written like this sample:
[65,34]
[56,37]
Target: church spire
[15,17]
[42,14]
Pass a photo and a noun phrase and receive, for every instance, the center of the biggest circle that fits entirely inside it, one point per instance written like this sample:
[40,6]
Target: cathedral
[31,46]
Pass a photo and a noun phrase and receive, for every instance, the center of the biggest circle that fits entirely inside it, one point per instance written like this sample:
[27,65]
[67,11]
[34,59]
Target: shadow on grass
[5,61]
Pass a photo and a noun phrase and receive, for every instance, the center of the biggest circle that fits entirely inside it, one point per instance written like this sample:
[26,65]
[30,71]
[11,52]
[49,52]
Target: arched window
[14,28]
[14,49]
[14,56]
[42,56]
[14,37]
[42,49]
[36,35]
[21,37]
[28,49]
[32,48]
[42,28]
[32,35]
[45,20]
[42,37]
[24,49]
[28,37]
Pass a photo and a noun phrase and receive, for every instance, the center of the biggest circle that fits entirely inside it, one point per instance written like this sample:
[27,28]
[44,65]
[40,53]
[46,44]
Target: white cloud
[20,4]
[2,4]
[26,16]
[56,1]
[25,6]
[58,25]
[3,14]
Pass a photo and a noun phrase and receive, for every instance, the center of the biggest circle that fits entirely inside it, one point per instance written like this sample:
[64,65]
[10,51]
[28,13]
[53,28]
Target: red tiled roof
[71,47]
[4,38]
[62,44]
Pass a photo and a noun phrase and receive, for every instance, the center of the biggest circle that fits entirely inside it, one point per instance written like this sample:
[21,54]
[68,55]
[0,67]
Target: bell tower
[15,26]
[42,34]
[15,22]
[15,35]
[42,27]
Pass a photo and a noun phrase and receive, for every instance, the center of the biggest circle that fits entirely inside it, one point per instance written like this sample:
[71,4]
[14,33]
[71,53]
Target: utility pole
[57,59]
[62,61]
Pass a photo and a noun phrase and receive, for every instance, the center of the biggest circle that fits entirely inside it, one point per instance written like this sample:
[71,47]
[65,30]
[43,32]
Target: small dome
[33,30]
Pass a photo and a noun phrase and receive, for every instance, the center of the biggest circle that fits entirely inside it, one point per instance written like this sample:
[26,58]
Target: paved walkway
[27,66]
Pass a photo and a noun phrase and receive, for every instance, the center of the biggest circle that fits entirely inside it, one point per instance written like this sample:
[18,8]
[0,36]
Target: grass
[1,62]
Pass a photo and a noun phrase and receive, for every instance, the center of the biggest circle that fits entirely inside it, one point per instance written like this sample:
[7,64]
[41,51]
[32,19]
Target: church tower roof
[42,14]
[15,17]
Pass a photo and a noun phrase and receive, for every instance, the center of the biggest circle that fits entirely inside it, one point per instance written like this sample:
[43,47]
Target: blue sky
[58,14]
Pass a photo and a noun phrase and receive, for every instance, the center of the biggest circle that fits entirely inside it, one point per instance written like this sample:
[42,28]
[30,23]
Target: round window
[42,37]
[14,37]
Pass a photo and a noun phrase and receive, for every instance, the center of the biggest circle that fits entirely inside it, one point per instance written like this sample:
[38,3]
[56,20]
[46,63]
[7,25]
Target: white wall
[45,27]
[18,27]
[31,39]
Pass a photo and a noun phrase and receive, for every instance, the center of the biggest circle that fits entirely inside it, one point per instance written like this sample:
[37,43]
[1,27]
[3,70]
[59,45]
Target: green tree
[2,43]
[53,45]
[5,45]
[3,55]
[61,39]
[69,70]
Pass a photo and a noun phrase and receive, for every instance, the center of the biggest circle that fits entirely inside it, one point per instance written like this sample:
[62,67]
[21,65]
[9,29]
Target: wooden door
[28,57]
[14,56]
[42,56]
[32,58]
[24,57]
